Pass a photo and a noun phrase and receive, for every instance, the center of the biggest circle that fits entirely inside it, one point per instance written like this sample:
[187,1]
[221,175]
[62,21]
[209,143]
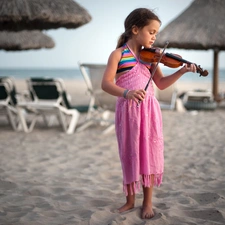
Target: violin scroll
[202,72]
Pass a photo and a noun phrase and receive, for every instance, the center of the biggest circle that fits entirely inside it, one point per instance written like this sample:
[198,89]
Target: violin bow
[153,72]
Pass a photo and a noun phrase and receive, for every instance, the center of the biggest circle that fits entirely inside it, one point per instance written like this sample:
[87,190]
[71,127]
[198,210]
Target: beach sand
[48,177]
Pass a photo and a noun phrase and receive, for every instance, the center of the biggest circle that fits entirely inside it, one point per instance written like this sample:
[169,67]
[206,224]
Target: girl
[138,129]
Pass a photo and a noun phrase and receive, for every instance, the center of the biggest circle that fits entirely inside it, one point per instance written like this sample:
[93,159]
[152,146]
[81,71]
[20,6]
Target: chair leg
[85,125]
[12,116]
[62,120]
[74,114]
[109,129]
[23,122]
[73,123]
[90,108]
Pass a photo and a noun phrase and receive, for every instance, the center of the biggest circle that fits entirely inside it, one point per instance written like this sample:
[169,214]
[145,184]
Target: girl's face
[146,36]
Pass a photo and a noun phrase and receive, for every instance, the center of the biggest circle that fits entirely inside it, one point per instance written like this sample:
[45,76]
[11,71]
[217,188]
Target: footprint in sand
[207,215]
[105,216]
[205,198]
[7,185]
[162,206]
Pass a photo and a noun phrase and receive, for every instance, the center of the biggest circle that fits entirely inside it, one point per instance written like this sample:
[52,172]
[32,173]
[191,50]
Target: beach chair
[167,98]
[101,104]
[199,99]
[49,100]
[8,102]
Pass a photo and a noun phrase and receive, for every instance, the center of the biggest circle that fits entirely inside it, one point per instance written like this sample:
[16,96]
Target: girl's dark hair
[139,17]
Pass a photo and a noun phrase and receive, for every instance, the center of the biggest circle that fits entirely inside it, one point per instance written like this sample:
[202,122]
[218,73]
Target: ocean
[74,73]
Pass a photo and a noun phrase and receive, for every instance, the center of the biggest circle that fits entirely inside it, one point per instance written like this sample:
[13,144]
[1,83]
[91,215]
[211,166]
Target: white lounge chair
[8,102]
[48,99]
[101,104]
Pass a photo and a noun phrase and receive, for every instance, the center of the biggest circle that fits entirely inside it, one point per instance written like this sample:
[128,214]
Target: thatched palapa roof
[201,26]
[24,40]
[18,15]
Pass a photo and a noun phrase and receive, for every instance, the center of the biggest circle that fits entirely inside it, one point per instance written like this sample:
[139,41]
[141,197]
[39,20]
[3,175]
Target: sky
[94,41]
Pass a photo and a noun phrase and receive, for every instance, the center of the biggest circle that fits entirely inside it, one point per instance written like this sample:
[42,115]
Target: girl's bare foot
[126,207]
[147,212]
[130,199]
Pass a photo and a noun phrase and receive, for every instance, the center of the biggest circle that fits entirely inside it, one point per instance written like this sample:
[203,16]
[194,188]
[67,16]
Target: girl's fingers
[136,95]
[190,68]
[140,95]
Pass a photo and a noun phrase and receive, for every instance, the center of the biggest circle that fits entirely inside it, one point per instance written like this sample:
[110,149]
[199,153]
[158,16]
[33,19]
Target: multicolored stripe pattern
[128,61]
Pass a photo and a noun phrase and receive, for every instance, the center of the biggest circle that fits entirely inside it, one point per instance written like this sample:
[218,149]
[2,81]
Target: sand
[48,177]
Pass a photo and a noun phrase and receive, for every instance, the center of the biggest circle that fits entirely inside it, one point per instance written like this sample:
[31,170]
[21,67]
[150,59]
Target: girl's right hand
[136,95]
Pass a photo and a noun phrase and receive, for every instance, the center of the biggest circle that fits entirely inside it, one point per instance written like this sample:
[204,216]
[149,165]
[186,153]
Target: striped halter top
[127,61]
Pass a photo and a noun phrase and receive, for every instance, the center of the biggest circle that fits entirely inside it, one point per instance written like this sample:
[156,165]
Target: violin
[150,55]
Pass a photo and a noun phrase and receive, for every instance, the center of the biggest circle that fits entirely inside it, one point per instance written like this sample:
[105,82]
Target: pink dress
[139,132]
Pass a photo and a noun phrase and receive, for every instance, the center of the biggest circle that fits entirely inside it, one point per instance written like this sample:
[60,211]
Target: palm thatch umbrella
[18,15]
[200,27]
[24,40]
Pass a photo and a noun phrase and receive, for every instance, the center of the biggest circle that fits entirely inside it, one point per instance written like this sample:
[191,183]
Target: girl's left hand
[189,68]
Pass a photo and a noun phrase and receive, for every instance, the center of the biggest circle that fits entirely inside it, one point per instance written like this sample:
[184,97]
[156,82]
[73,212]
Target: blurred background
[94,41]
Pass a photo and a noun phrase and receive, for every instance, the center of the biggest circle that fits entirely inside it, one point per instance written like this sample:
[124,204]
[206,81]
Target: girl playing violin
[138,129]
